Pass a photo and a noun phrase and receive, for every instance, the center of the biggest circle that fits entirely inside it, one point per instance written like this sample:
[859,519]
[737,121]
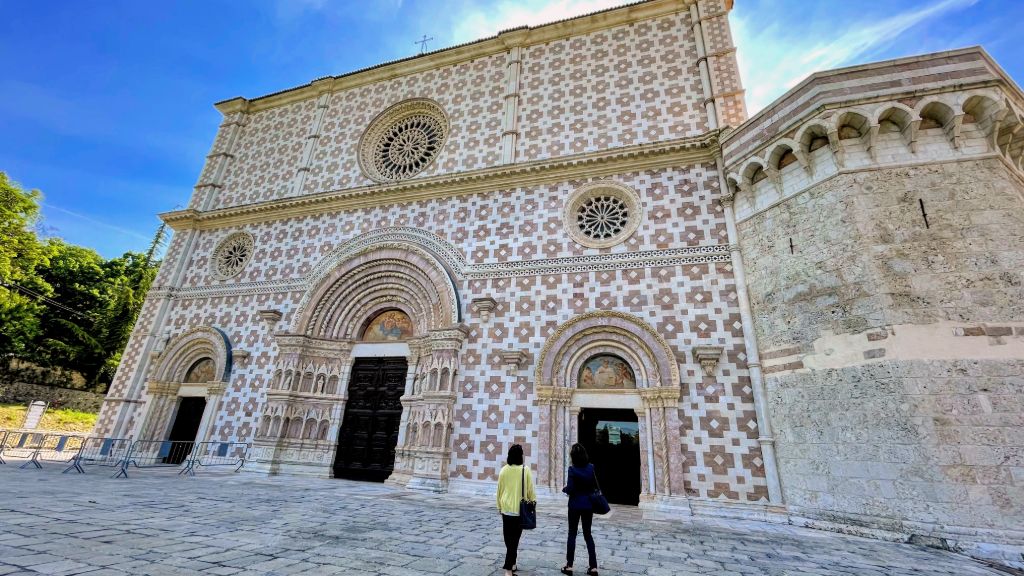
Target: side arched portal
[190,373]
[647,382]
[403,291]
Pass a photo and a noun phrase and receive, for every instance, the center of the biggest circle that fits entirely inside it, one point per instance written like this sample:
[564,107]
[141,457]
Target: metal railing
[21,444]
[55,448]
[158,454]
[122,453]
[218,454]
[100,452]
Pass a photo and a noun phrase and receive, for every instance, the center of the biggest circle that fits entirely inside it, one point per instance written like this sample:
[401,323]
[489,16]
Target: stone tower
[880,211]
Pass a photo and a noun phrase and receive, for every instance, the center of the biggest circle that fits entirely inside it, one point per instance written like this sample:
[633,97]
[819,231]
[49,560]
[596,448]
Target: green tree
[21,253]
[82,290]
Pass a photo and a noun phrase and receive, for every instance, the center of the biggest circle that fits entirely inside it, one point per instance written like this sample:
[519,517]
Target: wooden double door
[373,413]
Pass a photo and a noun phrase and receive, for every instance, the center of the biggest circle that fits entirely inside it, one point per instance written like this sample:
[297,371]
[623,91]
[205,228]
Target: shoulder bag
[527,509]
[598,503]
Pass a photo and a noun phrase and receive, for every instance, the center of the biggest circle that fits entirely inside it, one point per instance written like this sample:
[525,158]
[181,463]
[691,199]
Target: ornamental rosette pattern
[403,140]
[232,254]
[602,214]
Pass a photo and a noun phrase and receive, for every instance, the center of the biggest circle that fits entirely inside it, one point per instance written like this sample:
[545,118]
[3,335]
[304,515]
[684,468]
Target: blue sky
[107,106]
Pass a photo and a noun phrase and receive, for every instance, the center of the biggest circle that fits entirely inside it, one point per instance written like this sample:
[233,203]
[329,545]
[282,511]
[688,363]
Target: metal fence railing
[218,454]
[55,448]
[158,454]
[100,452]
[20,444]
[121,453]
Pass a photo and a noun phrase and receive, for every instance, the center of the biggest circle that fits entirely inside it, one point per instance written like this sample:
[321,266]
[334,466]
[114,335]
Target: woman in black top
[582,483]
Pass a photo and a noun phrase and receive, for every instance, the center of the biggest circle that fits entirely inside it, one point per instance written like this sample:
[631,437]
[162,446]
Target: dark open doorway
[612,438]
[185,428]
[369,428]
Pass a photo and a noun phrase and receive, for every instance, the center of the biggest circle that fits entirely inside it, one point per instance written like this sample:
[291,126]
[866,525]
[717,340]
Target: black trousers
[570,549]
[512,530]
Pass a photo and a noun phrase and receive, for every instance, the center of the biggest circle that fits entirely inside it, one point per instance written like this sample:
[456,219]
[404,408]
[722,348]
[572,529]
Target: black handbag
[527,509]
[598,503]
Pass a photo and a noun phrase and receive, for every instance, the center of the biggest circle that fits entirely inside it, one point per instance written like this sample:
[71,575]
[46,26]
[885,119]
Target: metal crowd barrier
[100,452]
[121,453]
[21,444]
[158,454]
[218,454]
[55,448]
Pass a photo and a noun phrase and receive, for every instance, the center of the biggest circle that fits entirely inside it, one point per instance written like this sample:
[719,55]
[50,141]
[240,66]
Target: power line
[45,299]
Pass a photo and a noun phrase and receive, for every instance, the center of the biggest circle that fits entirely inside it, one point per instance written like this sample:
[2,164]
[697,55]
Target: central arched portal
[364,381]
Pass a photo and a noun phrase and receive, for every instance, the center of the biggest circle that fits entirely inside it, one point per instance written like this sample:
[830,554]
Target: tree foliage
[61,305]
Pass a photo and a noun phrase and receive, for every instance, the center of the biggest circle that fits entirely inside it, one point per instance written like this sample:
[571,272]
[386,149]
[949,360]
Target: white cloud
[773,59]
[94,222]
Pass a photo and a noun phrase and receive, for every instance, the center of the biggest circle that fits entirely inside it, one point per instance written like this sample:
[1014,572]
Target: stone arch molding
[398,267]
[658,386]
[186,349]
[631,337]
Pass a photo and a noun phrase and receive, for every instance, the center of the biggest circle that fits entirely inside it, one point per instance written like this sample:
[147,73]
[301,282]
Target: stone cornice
[523,36]
[679,152]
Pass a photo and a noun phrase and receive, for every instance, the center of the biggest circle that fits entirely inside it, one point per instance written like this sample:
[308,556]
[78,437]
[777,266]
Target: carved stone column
[667,497]
[646,454]
[408,433]
[662,405]
[552,402]
[305,404]
[159,406]
[214,396]
[426,454]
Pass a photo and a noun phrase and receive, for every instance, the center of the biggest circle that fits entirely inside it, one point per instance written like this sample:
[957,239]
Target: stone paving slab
[223,524]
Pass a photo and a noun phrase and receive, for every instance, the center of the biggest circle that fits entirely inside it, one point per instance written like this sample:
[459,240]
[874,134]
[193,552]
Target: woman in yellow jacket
[515,482]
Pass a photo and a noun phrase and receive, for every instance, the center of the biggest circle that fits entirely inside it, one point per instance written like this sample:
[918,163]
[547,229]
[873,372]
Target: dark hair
[579,456]
[515,455]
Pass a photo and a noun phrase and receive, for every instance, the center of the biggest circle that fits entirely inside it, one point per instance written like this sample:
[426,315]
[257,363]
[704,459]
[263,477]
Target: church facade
[573,233]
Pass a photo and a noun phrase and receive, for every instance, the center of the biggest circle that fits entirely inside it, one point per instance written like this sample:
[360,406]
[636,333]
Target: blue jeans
[570,549]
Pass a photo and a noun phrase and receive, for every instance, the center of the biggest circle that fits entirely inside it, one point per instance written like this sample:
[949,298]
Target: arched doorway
[382,317]
[185,388]
[608,380]
[611,435]
[369,432]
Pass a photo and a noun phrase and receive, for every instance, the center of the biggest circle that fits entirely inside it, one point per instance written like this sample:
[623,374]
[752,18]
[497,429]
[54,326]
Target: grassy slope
[12,416]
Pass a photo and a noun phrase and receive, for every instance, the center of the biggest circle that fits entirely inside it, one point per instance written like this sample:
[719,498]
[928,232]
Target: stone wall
[23,393]
[893,349]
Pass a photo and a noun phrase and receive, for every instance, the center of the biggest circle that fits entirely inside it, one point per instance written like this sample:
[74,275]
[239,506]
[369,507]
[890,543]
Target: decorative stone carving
[514,358]
[403,140]
[232,254]
[707,357]
[602,214]
[483,307]
[271,318]
[241,357]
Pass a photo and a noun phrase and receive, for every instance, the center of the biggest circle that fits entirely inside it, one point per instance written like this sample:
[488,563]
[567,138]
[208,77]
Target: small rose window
[602,214]
[232,254]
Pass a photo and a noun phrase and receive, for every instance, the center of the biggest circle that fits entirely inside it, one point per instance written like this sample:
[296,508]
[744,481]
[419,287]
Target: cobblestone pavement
[156,523]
